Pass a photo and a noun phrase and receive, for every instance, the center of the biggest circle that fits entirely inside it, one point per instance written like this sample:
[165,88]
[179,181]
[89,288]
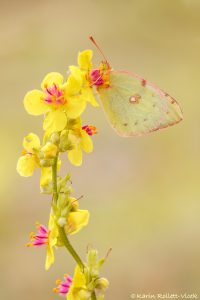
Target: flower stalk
[54,179]
[62,102]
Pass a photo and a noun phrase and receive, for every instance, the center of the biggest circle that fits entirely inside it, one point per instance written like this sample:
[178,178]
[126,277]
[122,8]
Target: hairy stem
[70,248]
[61,229]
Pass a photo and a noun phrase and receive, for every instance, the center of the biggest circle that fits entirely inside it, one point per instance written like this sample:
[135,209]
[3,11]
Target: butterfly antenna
[101,52]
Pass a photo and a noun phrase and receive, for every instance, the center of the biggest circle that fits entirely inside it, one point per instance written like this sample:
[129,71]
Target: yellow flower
[48,237]
[31,159]
[57,100]
[78,290]
[79,137]
[76,220]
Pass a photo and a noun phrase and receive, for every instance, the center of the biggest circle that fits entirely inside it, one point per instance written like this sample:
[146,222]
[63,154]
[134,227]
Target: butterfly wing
[135,107]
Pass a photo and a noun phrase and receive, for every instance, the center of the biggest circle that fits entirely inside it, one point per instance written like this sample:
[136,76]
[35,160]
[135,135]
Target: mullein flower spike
[62,102]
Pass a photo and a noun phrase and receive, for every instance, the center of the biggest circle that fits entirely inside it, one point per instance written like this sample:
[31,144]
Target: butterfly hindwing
[135,107]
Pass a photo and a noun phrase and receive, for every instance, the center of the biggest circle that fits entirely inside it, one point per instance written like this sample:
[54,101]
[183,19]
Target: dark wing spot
[125,124]
[135,98]
[136,123]
[154,105]
[145,120]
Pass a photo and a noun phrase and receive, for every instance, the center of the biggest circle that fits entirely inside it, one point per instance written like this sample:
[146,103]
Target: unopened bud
[92,257]
[55,138]
[46,162]
[65,144]
[101,283]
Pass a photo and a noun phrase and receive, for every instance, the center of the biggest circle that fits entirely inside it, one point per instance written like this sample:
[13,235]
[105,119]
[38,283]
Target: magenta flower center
[96,77]
[54,95]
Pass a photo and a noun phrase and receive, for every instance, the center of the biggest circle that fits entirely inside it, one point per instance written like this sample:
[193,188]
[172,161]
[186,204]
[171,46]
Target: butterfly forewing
[135,107]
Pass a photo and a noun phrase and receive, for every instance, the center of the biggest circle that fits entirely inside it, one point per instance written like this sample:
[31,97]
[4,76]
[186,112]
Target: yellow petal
[79,280]
[78,285]
[71,87]
[74,82]
[31,142]
[53,228]
[86,142]
[75,107]
[26,165]
[88,94]
[55,120]
[76,221]
[51,79]
[34,103]
[75,156]
[85,60]
[49,257]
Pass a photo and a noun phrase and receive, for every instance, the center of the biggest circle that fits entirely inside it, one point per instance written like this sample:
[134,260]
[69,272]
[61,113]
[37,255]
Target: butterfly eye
[135,98]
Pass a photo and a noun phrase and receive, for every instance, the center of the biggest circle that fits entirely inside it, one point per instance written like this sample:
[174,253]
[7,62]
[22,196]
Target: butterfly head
[100,76]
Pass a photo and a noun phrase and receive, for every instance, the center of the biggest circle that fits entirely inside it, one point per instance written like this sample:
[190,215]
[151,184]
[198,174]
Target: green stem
[61,229]
[54,180]
[70,248]
[93,296]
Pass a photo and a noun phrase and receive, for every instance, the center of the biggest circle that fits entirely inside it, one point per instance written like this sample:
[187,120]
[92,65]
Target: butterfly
[134,107]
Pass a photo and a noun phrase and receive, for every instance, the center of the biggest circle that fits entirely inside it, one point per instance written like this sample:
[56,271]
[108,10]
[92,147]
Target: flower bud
[50,150]
[101,283]
[55,138]
[65,144]
[92,257]
[46,162]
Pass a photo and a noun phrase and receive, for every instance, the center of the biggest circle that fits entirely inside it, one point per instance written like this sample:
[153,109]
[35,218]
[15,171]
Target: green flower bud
[65,144]
[46,162]
[55,138]
[101,283]
[92,257]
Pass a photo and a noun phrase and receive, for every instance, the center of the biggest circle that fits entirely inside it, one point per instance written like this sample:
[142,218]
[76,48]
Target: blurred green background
[143,193]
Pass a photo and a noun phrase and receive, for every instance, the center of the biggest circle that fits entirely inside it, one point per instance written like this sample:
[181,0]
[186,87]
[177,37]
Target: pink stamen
[63,286]
[90,129]
[41,238]
[54,95]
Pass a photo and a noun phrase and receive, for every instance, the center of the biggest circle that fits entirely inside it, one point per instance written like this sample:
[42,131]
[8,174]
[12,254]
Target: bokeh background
[143,193]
